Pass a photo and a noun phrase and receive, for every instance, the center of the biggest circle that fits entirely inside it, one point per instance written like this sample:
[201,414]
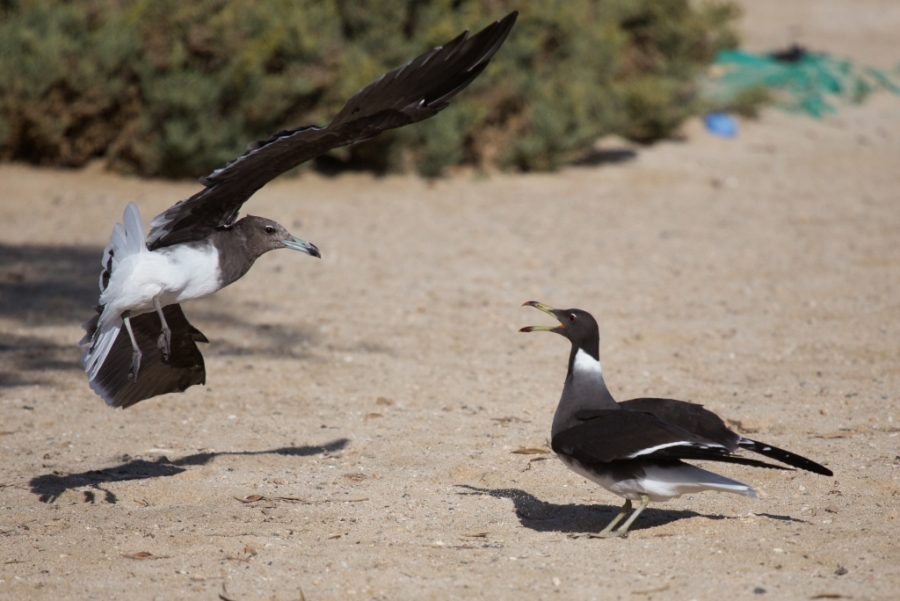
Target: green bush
[174,88]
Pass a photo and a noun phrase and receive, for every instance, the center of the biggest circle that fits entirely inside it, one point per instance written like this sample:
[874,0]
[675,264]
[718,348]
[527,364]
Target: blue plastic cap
[721,124]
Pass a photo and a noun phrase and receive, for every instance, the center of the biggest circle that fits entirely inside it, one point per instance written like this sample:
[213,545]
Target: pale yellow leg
[623,531]
[164,342]
[608,532]
[135,349]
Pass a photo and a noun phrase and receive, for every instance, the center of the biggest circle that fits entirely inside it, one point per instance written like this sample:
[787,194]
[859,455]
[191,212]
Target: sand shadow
[575,518]
[240,338]
[541,516]
[49,487]
[605,156]
[781,518]
[42,285]
[48,285]
[26,358]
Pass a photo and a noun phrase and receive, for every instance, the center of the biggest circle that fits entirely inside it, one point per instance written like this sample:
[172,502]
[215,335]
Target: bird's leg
[136,350]
[606,532]
[164,342]
[623,530]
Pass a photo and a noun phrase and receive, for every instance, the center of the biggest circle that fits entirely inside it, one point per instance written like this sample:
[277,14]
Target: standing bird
[635,449]
[139,344]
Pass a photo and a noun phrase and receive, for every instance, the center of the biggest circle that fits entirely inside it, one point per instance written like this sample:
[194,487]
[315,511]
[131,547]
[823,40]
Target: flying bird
[636,449]
[139,344]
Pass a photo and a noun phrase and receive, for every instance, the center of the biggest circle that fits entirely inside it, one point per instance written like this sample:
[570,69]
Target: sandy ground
[357,436]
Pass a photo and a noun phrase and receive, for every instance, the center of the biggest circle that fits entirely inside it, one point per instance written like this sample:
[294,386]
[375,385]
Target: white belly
[171,274]
[197,268]
[661,483]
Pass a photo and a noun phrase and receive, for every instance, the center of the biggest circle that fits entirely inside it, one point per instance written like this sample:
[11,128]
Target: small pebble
[759,591]
[841,571]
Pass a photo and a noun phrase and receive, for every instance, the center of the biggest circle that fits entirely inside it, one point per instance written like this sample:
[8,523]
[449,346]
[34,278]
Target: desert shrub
[174,88]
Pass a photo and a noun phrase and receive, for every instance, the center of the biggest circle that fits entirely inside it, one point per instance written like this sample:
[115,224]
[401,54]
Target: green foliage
[174,88]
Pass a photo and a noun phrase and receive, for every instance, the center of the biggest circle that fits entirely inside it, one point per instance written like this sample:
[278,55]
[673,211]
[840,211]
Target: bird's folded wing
[688,416]
[694,418]
[610,435]
[410,93]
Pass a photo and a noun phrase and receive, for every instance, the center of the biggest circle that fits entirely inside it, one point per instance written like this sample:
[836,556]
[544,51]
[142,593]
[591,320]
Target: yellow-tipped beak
[546,309]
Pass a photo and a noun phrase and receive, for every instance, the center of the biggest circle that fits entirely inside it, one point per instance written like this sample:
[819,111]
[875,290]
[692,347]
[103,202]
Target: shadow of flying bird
[49,487]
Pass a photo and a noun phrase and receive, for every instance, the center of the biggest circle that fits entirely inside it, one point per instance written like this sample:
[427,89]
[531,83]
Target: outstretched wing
[411,93]
[184,368]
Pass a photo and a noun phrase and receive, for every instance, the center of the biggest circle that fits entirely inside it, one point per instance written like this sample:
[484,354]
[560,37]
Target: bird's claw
[164,343]
[612,534]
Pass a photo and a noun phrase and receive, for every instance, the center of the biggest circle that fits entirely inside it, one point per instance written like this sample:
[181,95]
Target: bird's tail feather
[90,327]
[100,344]
[136,240]
[126,240]
[783,456]
[669,481]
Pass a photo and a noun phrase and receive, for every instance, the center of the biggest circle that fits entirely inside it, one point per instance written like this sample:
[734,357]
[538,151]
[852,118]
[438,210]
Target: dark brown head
[578,326]
[262,235]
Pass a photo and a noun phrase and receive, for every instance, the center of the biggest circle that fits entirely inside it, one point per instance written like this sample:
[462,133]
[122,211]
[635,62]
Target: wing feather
[689,416]
[184,369]
[405,95]
[610,435]
[651,428]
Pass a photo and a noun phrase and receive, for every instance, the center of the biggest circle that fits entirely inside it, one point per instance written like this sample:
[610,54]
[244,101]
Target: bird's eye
[270,229]
[572,317]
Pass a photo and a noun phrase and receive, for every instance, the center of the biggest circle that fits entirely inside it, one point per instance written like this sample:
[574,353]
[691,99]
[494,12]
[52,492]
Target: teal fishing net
[797,80]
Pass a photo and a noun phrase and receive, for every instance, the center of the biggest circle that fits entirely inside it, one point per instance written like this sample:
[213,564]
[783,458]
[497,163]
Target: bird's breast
[192,271]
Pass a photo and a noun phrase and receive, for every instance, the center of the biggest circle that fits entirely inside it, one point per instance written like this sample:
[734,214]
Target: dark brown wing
[696,419]
[689,416]
[411,93]
[184,369]
[613,434]
[787,457]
